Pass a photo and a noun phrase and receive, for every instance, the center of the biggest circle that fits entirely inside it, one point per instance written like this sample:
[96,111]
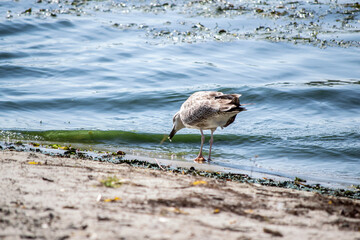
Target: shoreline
[192,168]
[56,197]
[325,178]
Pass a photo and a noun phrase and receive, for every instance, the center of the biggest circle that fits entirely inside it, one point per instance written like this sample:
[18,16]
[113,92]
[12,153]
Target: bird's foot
[200,159]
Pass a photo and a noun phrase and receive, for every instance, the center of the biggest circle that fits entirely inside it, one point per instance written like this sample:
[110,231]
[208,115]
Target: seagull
[206,110]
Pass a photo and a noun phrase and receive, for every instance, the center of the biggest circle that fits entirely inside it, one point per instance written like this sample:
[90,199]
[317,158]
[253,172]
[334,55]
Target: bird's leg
[200,158]
[211,142]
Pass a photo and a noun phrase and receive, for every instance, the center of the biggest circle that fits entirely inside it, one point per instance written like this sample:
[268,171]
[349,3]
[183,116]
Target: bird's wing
[229,103]
[204,105]
[199,106]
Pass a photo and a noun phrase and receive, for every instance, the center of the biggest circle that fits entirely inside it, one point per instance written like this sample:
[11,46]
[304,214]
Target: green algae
[111,182]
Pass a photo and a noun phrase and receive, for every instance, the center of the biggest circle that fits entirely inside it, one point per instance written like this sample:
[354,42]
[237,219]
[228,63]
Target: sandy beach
[45,197]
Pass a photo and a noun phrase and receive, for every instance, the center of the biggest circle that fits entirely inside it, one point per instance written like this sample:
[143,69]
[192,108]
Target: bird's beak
[173,132]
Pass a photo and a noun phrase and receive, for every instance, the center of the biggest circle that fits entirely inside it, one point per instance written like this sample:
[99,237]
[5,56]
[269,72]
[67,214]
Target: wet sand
[44,197]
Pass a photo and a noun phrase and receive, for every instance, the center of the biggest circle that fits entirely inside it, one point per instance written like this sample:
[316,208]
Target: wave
[324,100]
[20,27]
[122,137]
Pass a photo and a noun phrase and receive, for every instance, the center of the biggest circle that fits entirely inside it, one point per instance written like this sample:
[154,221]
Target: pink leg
[211,142]
[200,158]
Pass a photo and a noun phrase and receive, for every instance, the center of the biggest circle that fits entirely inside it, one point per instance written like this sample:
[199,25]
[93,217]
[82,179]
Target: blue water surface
[122,69]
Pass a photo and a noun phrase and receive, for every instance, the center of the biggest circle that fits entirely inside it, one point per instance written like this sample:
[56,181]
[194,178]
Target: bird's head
[177,125]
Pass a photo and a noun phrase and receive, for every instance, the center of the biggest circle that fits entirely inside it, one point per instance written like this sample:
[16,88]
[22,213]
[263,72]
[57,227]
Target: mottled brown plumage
[206,111]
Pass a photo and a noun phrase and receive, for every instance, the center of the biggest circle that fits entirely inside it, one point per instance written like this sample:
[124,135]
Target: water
[111,74]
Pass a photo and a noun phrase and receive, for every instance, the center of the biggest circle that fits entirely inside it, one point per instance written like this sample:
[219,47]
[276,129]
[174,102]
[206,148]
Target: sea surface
[111,74]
